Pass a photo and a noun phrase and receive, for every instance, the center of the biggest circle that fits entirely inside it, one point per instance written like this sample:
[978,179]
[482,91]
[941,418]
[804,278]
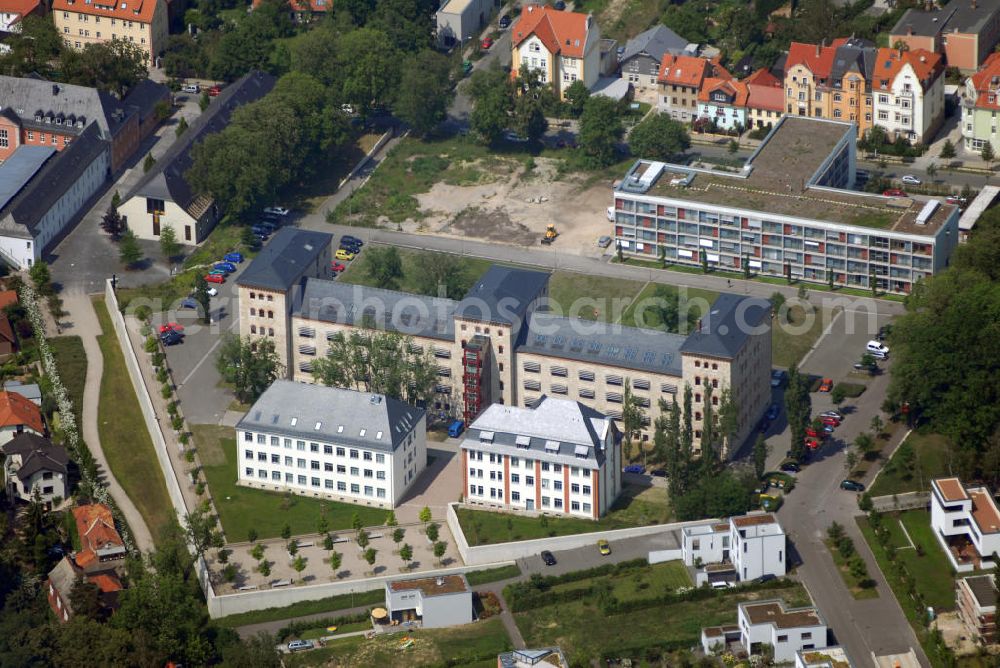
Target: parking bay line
[205,356]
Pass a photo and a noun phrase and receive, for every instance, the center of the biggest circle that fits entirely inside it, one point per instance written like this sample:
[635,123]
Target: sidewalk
[82,322]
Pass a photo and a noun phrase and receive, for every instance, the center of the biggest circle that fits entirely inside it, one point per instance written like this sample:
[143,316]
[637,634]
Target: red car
[215,278]
[832,421]
[487,43]
[337,267]
[812,443]
[894,192]
[812,433]
[214,90]
[171,327]
[826,385]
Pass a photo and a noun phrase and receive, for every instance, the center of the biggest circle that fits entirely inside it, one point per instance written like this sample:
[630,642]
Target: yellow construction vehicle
[550,234]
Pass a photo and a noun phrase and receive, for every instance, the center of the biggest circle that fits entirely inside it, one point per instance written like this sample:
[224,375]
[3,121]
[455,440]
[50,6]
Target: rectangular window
[515,496]
[341,486]
[380,459]
[355,488]
[301,480]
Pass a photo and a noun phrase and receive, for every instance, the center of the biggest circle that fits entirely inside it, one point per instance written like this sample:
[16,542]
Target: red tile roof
[819,59]
[7,297]
[765,91]
[126,10]
[564,33]
[951,489]
[987,82]
[888,62]
[16,410]
[20,7]
[732,87]
[106,582]
[96,528]
[689,70]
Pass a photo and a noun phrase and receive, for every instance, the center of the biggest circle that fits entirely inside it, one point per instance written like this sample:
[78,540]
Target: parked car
[227,266]
[487,43]
[268,225]
[350,248]
[261,231]
[604,241]
[833,414]
[215,278]
[874,346]
[277,210]
[171,327]
[659,473]
[812,433]
[212,292]
[633,468]
[830,421]
[773,411]
[337,267]
[883,332]
[218,272]
[299,645]
[342,254]
[214,90]
[547,558]
[778,378]
[456,428]
[828,429]
[878,354]
[504,22]
[234,257]
[911,180]
[603,547]
[722,584]
[191,88]
[790,467]
[826,385]
[466,67]
[894,192]
[354,241]
[189,303]
[766,577]
[852,486]
[811,443]
[170,338]
[957,201]
[559,4]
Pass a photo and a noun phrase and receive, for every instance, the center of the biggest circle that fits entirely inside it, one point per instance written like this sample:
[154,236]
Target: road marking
[822,336]
[205,356]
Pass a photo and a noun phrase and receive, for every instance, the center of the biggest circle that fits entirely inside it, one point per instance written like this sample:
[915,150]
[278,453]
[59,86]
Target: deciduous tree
[129,250]
[384,265]
[425,91]
[251,364]
[658,137]
[169,245]
[600,130]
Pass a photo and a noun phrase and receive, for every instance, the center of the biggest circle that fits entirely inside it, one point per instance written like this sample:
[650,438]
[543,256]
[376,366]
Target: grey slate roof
[50,183]
[963,15]
[984,591]
[27,96]
[502,295]
[166,179]
[857,54]
[284,259]
[612,345]
[726,326]
[568,423]
[655,42]
[29,391]
[37,454]
[344,303]
[18,169]
[331,415]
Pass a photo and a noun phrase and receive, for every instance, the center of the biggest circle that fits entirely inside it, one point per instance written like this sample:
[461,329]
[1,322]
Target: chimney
[817,50]
[590,18]
[440,582]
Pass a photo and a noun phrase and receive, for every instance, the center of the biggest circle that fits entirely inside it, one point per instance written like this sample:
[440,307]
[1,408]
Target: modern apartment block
[503,344]
[789,212]
[751,545]
[557,457]
[787,630]
[976,598]
[332,443]
[966,522]
[143,23]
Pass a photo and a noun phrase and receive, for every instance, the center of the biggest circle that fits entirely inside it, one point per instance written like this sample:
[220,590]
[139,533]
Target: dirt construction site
[514,207]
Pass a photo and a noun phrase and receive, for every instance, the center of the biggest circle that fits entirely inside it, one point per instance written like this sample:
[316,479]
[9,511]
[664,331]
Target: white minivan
[877,347]
[191,88]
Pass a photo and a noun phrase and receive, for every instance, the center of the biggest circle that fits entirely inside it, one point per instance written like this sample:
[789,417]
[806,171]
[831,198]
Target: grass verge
[331,604]
[913,473]
[124,438]
[851,581]
[243,508]
[71,360]
[477,578]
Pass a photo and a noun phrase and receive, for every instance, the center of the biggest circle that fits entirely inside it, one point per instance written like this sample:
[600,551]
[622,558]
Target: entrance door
[529,504]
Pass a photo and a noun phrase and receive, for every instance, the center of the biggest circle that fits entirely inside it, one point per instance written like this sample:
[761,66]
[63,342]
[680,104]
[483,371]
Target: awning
[551,446]
[380,613]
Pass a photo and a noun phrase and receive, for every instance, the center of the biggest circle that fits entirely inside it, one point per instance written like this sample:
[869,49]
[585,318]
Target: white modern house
[787,630]
[435,602]
[556,457]
[740,548]
[966,522]
[332,443]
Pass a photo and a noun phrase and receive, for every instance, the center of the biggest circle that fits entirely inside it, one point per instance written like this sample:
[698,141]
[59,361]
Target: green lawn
[321,631]
[930,460]
[852,583]
[642,312]
[484,527]
[789,343]
[331,604]
[640,583]
[124,439]
[472,268]
[241,508]
[71,360]
[584,632]
[477,578]
[468,645]
[591,297]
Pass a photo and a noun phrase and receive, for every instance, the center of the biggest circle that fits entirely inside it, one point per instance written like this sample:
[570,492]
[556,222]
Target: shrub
[151,344]
[433,530]
[165,391]
[177,423]
[189,455]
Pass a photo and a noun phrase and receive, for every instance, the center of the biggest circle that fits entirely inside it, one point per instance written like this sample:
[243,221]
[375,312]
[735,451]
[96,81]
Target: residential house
[965,31]
[980,105]
[977,606]
[64,577]
[435,602]
[680,81]
[339,444]
[12,12]
[561,46]
[786,630]
[908,93]
[304,11]
[33,462]
[640,62]
[547,657]
[144,23]
[29,391]
[18,416]
[765,99]
[804,221]
[752,545]
[163,197]
[966,522]
[724,103]
[459,21]
[37,112]
[43,190]
[831,81]
[556,457]
[101,546]
[828,657]
[521,351]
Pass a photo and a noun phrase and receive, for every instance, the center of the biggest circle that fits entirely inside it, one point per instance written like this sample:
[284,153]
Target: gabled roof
[502,295]
[855,55]
[962,17]
[889,62]
[16,410]
[96,527]
[655,42]
[126,10]
[29,96]
[563,33]
[284,260]
[737,90]
[37,454]
[20,7]
[819,59]
[987,82]
[764,91]
[725,328]
[166,179]
[688,71]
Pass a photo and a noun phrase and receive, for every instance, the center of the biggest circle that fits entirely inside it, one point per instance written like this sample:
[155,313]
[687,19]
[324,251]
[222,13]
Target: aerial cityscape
[514,333]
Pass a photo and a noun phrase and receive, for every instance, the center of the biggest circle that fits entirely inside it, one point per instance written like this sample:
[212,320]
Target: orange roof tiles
[564,32]
[126,10]
[951,489]
[987,82]
[21,8]
[762,77]
[96,528]
[731,87]
[16,410]
[888,62]
[106,582]
[7,297]
[819,59]
[689,70]
[765,91]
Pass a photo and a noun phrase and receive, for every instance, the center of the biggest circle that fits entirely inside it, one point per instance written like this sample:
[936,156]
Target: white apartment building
[908,93]
[331,443]
[559,457]
[754,545]
[966,522]
[787,630]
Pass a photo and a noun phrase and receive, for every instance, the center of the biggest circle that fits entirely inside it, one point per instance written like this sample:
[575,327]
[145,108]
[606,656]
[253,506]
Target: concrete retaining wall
[483,554]
[659,556]
[368,156]
[904,501]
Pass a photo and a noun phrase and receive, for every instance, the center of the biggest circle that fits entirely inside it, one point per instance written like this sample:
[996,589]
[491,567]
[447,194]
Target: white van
[877,347]
[191,88]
